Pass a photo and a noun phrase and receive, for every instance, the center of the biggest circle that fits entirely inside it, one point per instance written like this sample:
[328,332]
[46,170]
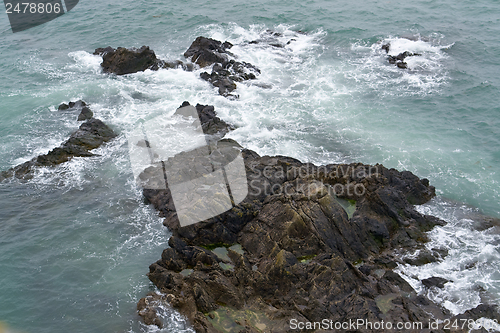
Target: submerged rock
[435,282]
[85,114]
[207,51]
[226,71]
[123,61]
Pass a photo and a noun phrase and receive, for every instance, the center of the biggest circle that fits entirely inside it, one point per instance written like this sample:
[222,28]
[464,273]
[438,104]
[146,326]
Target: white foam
[85,61]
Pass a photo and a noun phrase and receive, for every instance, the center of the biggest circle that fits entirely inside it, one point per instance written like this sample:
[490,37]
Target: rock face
[123,61]
[91,134]
[308,243]
[126,61]
[207,51]
[434,282]
[226,71]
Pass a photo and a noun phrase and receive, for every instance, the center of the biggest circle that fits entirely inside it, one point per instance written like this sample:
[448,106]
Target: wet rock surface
[226,71]
[121,61]
[290,250]
[90,135]
[204,52]
[434,282]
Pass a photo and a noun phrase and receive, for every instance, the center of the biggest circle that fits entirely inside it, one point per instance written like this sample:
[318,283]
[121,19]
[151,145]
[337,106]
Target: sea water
[76,241]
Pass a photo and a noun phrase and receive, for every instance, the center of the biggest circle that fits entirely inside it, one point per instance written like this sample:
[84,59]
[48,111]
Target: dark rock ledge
[91,134]
[307,244]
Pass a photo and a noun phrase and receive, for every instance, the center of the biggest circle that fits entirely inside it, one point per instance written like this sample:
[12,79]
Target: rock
[90,135]
[203,51]
[78,104]
[85,114]
[424,257]
[298,247]
[386,47]
[481,311]
[402,64]
[63,107]
[146,308]
[122,61]
[434,282]
[207,51]
[225,71]
[399,59]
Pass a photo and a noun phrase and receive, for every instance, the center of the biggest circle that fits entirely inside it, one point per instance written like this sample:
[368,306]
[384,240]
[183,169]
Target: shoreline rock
[303,245]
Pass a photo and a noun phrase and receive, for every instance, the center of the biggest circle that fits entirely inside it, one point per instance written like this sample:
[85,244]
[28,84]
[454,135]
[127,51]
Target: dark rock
[481,311]
[424,257]
[435,282]
[399,59]
[147,309]
[122,61]
[402,64]
[78,104]
[90,135]
[225,71]
[299,246]
[63,106]
[85,114]
[207,51]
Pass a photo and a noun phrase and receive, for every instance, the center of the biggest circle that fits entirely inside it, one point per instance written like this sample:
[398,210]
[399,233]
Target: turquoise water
[76,241]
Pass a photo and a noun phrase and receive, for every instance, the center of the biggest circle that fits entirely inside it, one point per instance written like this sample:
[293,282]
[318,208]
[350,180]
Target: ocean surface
[76,241]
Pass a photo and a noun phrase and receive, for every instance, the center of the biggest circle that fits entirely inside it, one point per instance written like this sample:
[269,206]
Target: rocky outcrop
[79,106]
[226,71]
[398,60]
[207,51]
[90,135]
[308,243]
[123,61]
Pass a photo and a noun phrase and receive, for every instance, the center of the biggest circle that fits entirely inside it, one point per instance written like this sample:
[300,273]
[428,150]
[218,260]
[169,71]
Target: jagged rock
[63,107]
[402,64]
[122,61]
[90,135]
[207,51]
[85,114]
[435,282]
[225,71]
[299,247]
[78,105]
[399,59]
